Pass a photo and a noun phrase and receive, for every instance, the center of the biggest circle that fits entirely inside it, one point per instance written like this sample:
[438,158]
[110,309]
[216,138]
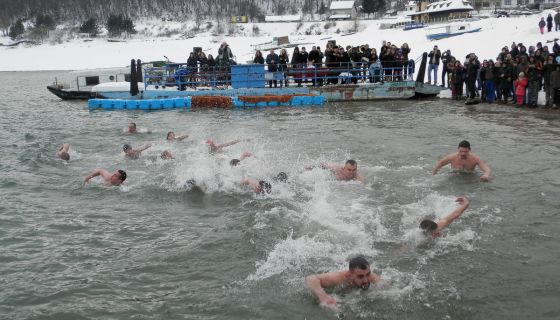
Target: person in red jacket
[520,86]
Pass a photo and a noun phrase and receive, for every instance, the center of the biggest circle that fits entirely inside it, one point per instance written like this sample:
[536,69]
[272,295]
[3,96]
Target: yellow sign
[239,19]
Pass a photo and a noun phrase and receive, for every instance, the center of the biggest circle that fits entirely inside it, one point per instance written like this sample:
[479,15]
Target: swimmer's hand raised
[328,301]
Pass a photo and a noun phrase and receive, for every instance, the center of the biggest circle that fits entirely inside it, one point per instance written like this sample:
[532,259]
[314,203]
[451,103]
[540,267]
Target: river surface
[153,249]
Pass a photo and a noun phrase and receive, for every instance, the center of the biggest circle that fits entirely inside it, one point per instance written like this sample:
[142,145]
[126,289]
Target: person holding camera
[433,64]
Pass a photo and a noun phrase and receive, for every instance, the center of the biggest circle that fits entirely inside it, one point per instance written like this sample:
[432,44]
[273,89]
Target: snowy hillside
[157,39]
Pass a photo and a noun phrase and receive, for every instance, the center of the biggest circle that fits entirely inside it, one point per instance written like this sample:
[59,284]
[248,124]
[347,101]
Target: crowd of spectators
[516,75]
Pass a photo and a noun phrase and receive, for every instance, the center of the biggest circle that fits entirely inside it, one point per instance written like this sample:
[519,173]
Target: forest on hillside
[79,10]
[36,20]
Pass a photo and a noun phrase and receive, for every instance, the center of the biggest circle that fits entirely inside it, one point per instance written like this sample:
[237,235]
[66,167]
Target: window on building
[507,2]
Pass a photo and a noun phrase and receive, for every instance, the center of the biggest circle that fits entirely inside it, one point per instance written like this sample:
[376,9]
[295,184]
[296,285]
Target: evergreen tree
[114,23]
[372,6]
[44,21]
[322,8]
[90,26]
[16,30]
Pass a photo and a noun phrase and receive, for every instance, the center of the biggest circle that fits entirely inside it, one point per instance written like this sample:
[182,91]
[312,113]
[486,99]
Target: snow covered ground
[99,53]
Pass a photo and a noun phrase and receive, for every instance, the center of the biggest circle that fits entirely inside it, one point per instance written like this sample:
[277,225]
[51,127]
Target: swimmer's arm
[441,163]
[463,205]
[485,168]
[227,144]
[183,137]
[318,282]
[64,148]
[144,147]
[360,178]
[252,183]
[245,154]
[95,173]
[328,166]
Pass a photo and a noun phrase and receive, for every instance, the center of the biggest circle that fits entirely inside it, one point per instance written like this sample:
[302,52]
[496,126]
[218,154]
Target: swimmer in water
[261,186]
[463,159]
[130,153]
[214,147]
[172,137]
[434,228]
[347,172]
[62,153]
[235,162]
[131,128]
[166,155]
[358,275]
[114,179]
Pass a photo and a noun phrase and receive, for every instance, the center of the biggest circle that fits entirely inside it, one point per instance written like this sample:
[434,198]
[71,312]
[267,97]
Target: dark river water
[152,249]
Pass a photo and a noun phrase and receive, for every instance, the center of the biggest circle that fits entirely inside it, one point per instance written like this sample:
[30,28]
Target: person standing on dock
[272,61]
[433,64]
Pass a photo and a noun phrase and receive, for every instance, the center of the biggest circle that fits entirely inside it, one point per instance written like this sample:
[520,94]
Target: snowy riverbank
[99,53]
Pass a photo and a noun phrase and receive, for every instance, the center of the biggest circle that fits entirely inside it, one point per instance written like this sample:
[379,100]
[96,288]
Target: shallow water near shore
[152,249]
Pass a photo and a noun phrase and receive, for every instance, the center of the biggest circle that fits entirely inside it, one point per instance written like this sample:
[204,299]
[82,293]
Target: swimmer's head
[464,149]
[360,272]
[210,142]
[264,187]
[281,177]
[64,156]
[132,127]
[170,135]
[351,167]
[428,226]
[191,183]
[118,177]
[234,162]
[126,147]
[166,155]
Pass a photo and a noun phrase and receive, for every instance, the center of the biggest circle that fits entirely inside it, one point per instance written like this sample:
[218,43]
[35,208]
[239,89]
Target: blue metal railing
[182,76]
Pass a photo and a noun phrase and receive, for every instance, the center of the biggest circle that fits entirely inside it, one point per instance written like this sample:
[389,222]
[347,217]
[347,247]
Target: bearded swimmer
[358,275]
[463,159]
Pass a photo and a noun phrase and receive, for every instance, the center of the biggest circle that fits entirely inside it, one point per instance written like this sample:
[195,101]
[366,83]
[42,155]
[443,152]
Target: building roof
[340,5]
[445,5]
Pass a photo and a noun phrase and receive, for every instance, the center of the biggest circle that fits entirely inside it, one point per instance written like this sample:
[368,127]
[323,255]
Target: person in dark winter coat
[283,61]
[489,85]
[557,20]
[272,61]
[433,64]
[555,84]
[472,70]
[542,24]
[258,59]
[534,81]
[548,67]
[503,76]
[295,65]
[458,78]
[445,58]
[549,20]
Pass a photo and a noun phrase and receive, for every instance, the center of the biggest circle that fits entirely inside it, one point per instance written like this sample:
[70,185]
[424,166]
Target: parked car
[501,13]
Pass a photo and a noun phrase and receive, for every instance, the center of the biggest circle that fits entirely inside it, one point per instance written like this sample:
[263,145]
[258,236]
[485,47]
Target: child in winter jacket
[520,86]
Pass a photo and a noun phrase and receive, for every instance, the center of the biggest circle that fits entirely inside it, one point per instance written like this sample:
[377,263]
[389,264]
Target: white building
[343,10]
[443,10]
